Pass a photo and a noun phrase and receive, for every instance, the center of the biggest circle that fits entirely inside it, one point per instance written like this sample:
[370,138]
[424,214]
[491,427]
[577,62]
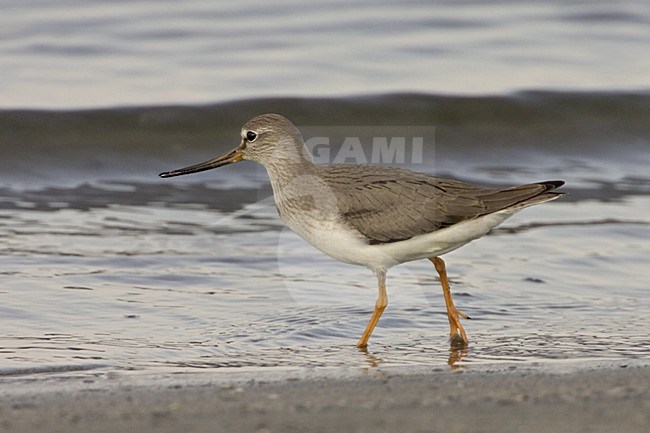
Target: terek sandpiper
[374,216]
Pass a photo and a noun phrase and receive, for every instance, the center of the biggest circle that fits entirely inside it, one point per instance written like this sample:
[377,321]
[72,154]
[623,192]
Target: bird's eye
[251,136]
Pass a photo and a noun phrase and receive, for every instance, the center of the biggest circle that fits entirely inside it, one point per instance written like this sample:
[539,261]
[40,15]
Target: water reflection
[456,355]
[370,359]
[413,355]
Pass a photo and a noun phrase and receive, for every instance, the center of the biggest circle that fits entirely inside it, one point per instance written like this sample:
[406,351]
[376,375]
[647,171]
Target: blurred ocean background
[104,267]
[93,53]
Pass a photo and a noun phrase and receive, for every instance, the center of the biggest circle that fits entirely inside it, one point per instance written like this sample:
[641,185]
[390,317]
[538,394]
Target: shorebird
[374,216]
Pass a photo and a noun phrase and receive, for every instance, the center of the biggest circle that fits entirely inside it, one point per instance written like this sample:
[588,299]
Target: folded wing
[388,204]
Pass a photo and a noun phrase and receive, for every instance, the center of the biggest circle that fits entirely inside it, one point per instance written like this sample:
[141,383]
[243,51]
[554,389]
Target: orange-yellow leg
[380,306]
[457,334]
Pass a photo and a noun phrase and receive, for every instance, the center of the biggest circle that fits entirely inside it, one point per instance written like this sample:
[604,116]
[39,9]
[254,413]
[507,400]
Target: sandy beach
[615,398]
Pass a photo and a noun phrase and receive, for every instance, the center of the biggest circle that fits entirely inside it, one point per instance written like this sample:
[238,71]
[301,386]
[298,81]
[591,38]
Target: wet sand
[616,398]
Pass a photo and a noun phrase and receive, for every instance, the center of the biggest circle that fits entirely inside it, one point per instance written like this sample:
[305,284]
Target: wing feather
[387,204]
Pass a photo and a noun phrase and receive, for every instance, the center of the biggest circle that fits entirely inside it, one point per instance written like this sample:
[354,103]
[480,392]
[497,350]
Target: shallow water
[126,288]
[104,267]
[113,269]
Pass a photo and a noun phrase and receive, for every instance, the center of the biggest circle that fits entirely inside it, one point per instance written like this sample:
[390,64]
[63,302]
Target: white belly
[347,245]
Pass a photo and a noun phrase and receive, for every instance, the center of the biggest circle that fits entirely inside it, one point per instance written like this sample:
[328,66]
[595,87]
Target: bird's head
[268,139]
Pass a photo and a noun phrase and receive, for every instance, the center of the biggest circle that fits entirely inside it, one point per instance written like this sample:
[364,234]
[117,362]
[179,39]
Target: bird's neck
[289,165]
[283,173]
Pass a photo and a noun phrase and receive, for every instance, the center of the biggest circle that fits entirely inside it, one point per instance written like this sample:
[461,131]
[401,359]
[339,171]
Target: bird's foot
[457,335]
[458,339]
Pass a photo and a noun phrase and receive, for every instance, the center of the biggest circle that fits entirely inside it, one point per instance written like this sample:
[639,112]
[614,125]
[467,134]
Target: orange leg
[380,306]
[457,334]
